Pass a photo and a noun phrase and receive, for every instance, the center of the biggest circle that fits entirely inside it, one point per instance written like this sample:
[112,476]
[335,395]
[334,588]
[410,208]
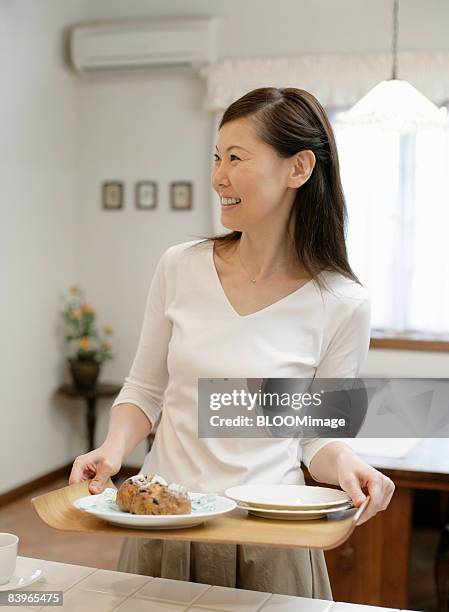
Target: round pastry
[150,494]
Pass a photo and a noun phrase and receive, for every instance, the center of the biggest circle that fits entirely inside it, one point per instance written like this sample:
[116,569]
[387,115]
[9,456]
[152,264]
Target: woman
[274,298]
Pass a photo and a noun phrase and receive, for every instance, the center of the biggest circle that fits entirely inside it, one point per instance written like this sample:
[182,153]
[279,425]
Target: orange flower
[107,345]
[77,314]
[84,343]
[109,329]
[87,309]
[74,289]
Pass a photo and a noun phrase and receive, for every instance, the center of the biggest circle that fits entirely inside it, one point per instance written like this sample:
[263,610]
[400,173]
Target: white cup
[8,556]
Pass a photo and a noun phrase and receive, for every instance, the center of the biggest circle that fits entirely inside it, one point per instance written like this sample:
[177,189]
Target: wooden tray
[238,527]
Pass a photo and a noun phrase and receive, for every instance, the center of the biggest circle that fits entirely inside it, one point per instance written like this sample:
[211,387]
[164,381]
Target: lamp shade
[395,105]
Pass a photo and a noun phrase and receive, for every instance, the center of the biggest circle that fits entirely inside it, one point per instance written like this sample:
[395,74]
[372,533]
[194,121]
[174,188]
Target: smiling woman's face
[247,168]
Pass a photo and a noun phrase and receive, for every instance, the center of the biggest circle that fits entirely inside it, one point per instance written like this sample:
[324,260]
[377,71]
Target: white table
[91,589]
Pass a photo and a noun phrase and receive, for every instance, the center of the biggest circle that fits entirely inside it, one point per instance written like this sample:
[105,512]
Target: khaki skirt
[286,571]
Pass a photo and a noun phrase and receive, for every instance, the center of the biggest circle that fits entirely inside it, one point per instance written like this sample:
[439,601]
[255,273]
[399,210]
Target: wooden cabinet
[372,566]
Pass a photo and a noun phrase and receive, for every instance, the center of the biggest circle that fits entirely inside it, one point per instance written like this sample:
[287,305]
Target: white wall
[257,28]
[128,128]
[132,130]
[38,179]
[406,364]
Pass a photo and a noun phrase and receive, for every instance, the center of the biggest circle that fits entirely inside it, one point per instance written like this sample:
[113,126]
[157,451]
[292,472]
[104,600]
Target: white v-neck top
[190,331]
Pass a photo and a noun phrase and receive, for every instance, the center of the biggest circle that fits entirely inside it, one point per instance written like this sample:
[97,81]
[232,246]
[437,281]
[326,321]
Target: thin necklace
[253,280]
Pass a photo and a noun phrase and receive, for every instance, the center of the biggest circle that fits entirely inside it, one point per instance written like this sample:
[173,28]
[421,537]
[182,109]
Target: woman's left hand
[359,479]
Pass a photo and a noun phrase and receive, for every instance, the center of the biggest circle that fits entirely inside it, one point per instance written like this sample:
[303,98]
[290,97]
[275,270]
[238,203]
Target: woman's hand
[359,479]
[100,464]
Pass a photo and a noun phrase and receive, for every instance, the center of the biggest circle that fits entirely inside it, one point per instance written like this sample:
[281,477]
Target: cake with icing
[151,494]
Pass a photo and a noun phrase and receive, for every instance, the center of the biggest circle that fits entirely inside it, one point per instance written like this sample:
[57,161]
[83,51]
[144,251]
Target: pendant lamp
[395,104]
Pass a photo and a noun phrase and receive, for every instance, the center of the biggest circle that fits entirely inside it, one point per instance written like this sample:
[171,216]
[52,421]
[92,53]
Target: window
[397,194]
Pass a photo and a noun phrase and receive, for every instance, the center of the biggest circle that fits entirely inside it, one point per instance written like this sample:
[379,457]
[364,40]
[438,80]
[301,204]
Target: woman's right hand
[99,465]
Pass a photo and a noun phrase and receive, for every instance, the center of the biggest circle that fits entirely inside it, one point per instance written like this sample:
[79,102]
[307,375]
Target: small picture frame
[113,195]
[146,195]
[181,195]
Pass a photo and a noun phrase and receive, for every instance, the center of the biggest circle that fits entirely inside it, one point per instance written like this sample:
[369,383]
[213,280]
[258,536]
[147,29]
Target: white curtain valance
[336,80]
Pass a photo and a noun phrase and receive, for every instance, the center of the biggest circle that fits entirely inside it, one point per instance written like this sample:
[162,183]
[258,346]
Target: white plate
[17,582]
[287,497]
[292,515]
[205,506]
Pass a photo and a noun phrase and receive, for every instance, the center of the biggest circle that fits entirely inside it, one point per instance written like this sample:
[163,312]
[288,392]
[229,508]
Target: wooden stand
[91,397]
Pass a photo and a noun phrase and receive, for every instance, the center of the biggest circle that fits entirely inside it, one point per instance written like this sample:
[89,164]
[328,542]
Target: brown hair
[292,120]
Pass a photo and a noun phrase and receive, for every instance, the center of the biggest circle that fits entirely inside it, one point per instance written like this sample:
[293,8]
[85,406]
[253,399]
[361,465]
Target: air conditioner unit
[124,45]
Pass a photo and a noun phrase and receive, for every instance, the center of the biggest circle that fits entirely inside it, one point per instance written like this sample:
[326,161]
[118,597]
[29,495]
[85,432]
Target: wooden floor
[39,541]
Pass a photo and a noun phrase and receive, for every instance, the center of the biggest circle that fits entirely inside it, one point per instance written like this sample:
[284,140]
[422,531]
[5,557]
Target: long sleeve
[148,376]
[343,359]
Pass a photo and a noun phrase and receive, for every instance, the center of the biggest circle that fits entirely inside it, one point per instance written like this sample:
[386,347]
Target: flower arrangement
[85,343]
